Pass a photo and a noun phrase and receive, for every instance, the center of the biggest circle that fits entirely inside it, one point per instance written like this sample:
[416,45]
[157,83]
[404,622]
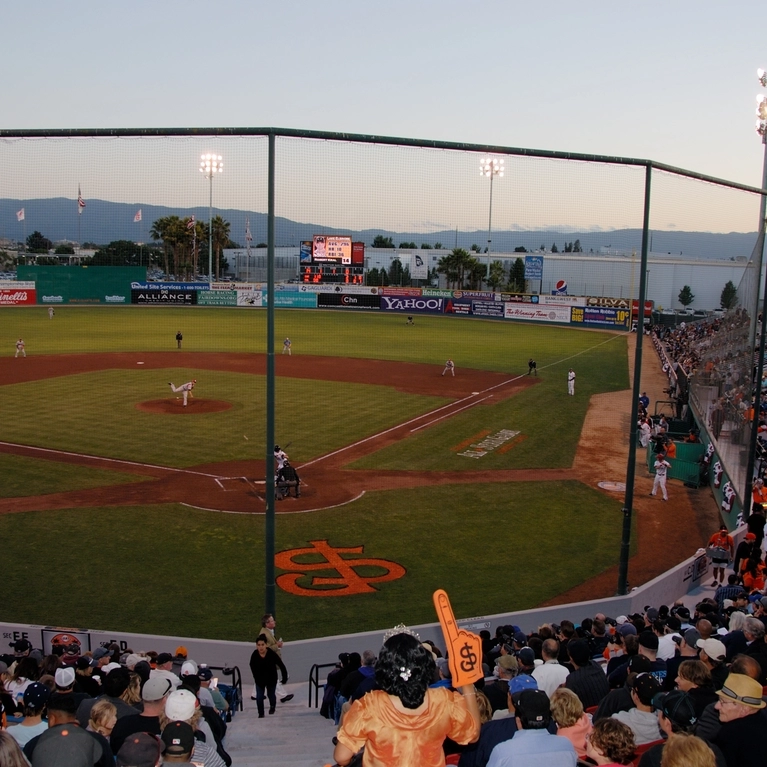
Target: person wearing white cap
[153,695]
[182,706]
[713,653]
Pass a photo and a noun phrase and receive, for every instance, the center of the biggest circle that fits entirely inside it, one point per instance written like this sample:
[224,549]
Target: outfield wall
[299,656]
[118,285]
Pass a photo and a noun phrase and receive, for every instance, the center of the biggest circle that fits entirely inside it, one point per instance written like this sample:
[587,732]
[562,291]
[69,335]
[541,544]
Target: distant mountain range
[103,222]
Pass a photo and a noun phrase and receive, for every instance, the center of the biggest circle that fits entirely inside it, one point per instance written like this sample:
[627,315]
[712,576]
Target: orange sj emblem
[347,582]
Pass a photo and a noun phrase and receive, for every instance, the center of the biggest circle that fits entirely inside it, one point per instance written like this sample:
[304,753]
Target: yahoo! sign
[418,305]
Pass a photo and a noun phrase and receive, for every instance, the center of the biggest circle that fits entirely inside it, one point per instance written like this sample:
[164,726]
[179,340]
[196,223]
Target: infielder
[185,389]
[286,344]
[532,367]
[661,467]
[571,382]
[20,348]
[449,365]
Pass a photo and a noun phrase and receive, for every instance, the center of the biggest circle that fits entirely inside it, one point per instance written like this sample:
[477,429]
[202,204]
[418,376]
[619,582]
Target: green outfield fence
[137,198]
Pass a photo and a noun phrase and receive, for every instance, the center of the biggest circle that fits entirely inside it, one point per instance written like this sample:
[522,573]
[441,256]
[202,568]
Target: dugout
[82,284]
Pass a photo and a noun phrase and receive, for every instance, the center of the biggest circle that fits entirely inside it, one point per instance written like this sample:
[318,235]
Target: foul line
[113,460]
[449,415]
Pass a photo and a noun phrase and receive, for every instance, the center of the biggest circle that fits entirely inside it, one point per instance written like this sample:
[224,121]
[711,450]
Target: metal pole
[490,214]
[269,532]
[623,567]
[746,499]
[210,230]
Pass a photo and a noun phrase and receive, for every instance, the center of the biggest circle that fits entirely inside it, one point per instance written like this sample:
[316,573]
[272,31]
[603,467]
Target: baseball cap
[21,645]
[652,614]
[140,750]
[648,640]
[522,682]
[743,689]
[36,695]
[100,652]
[178,738]
[188,667]
[713,648]
[520,637]
[638,664]
[646,686]
[181,651]
[621,619]
[163,657]
[180,705]
[534,704]
[444,666]
[155,688]
[626,629]
[205,674]
[677,706]
[65,677]
[692,637]
[750,536]
[527,656]
[683,613]
[68,745]
[507,662]
[111,667]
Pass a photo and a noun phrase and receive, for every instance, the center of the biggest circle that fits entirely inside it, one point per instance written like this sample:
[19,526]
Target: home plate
[615,487]
[139,363]
[474,393]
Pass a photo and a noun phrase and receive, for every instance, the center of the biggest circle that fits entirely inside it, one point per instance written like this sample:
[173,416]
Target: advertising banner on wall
[533,267]
[399,292]
[164,297]
[217,298]
[138,285]
[419,269]
[17,296]
[600,316]
[562,300]
[419,305]
[437,292]
[295,300]
[453,306]
[488,309]
[347,301]
[537,313]
[252,298]
[519,298]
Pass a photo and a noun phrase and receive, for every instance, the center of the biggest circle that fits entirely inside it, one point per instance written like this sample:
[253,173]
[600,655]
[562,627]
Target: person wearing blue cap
[33,724]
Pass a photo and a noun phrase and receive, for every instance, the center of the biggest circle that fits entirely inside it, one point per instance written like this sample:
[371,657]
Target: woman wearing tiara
[404,723]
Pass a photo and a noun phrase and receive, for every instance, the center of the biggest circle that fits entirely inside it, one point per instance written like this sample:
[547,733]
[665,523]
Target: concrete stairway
[296,736]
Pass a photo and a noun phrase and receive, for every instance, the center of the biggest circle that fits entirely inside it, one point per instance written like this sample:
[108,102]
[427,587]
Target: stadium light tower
[761,129]
[210,164]
[490,167]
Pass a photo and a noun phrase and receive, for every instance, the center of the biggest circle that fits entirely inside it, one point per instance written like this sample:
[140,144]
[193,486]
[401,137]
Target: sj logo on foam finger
[464,648]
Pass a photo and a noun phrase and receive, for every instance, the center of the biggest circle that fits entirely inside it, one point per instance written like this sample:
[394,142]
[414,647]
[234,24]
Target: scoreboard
[332,273]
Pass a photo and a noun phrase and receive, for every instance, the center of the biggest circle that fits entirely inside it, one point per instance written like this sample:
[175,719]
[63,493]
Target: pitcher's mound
[176,406]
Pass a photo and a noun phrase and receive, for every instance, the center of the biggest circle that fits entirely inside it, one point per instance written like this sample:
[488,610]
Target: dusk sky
[673,82]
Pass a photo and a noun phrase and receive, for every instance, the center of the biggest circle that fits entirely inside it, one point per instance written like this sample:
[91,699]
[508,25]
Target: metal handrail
[314,681]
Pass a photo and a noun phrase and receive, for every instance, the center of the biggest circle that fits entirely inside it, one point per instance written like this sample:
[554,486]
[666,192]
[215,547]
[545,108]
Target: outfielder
[20,348]
[185,389]
[661,467]
[286,344]
[449,365]
[571,382]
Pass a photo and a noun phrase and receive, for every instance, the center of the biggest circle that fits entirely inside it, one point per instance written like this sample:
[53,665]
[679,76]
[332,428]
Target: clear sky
[670,81]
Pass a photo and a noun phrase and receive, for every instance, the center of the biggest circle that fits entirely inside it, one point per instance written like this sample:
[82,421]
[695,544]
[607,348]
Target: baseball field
[121,509]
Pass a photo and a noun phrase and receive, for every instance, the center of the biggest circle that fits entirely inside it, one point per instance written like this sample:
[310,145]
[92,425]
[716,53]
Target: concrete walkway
[296,736]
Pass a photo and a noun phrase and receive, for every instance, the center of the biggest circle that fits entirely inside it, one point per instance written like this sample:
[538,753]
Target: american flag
[80,201]
[190,223]
[137,217]
[20,215]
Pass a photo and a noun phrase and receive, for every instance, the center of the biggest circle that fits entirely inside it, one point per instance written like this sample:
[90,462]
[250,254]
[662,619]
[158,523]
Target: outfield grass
[493,548]
[100,416]
[31,476]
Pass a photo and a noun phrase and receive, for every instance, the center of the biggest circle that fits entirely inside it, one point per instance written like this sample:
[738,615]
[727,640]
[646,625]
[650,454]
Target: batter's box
[236,484]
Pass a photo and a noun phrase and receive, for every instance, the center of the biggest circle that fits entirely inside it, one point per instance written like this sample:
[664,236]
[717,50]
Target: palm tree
[221,229]
[448,265]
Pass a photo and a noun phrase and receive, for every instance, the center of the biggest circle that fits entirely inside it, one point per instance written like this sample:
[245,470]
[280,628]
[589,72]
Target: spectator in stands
[587,680]
[730,591]
[572,722]
[35,697]
[687,751]
[365,672]
[676,714]
[743,552]
[154,695]
[620,698]
[115,684]
[753,630]
[753,574]
[163,666]
[268,624]
[713,654]
[610,743]
[722,542]
[741,712]
[67,744]
[180,743]
[25,672]
[686,650]
[11,754]
[506,668]
[182,706]
[735,640]
[206,678]
[694,678]
[533,742]
[551,674]
[84,680]
[103,717]
[641,718]
[384,720]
